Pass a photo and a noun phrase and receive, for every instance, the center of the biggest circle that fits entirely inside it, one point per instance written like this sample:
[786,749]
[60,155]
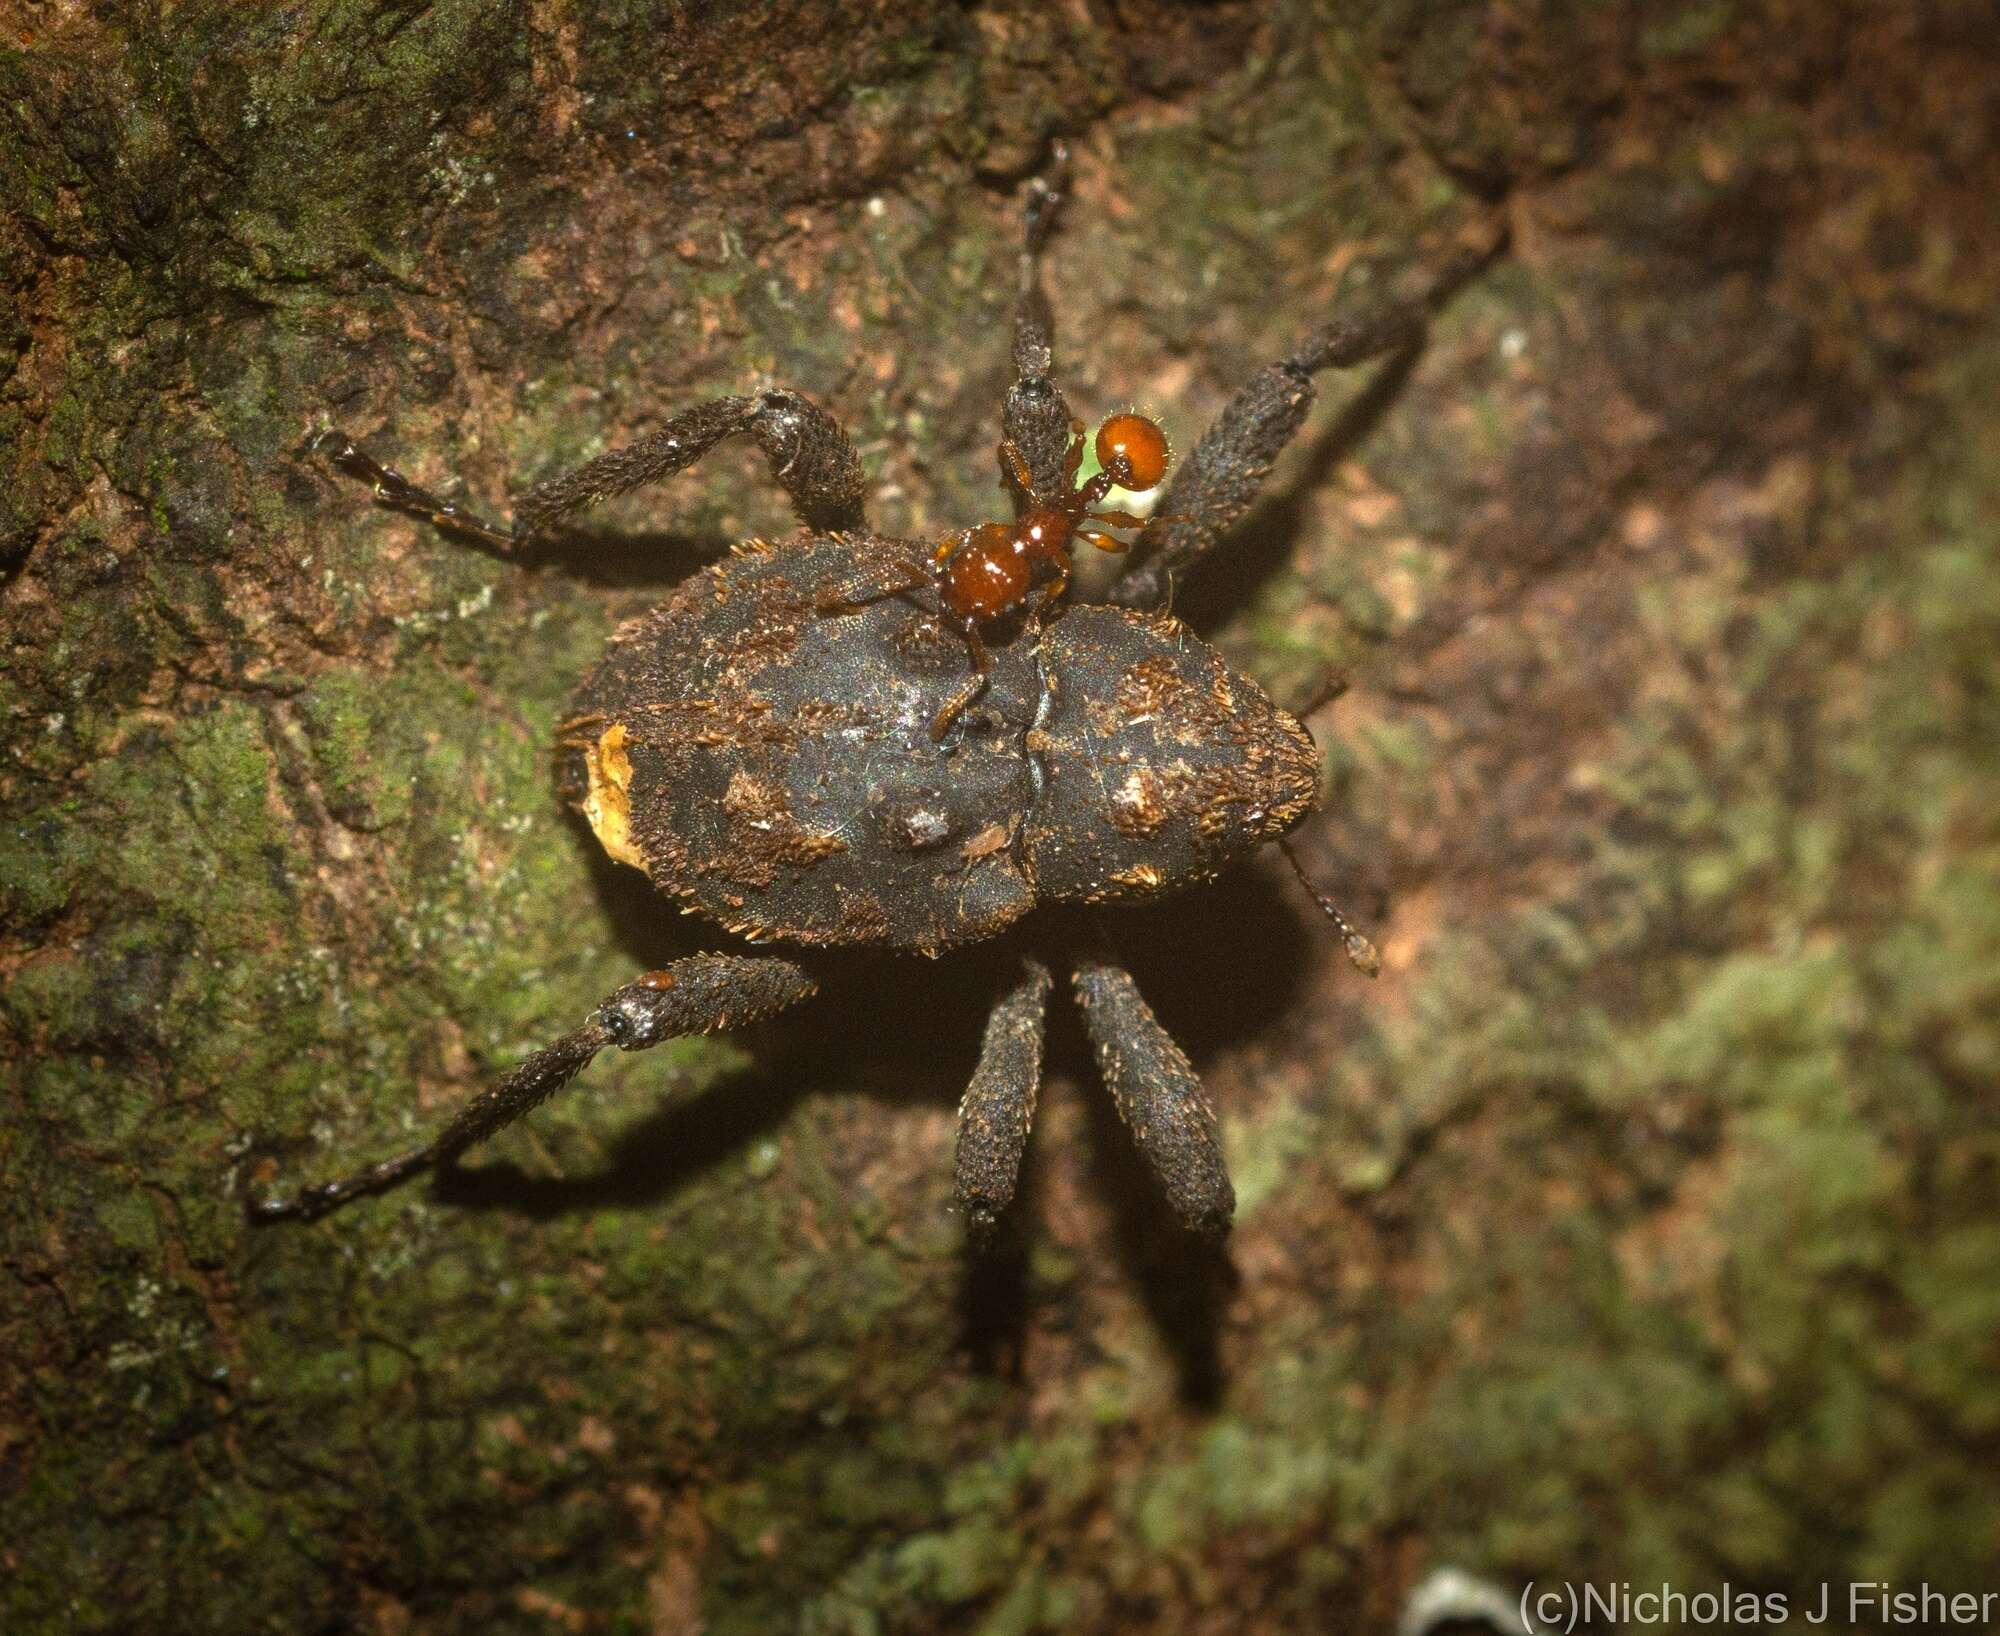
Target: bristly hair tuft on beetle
[843,738]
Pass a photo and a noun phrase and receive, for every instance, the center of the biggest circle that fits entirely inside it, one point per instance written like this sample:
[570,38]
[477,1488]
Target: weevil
[842,738]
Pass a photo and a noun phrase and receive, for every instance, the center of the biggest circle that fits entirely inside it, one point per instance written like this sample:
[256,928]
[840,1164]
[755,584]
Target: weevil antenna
[1360,952]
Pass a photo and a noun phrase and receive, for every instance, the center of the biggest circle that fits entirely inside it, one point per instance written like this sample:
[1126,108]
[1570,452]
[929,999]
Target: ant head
[1133,452]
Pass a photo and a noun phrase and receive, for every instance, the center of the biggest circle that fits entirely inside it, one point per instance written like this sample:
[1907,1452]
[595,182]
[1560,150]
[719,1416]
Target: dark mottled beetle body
[771,764]
[848,738]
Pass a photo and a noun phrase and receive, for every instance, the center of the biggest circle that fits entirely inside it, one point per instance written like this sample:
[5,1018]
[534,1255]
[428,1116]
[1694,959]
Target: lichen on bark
[1636,1226]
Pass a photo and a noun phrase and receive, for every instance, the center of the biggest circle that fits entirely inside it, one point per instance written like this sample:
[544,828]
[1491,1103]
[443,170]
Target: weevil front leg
[1036,426]
[1220,478]
[810,456]
[702,994]
[883,577]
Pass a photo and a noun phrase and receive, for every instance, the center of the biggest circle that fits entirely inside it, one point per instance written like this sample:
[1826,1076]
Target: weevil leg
[395,490]
[1220,478]
[888,576]
[699,995]
[1158,1096]
[1036,419]
[808,453]
[999,1104]
[810,456]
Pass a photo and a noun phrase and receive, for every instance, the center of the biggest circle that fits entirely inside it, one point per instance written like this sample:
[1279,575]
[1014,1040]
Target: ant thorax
[985,573]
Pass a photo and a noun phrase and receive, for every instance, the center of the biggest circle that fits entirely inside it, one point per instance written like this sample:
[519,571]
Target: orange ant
[983,574]
[986,572]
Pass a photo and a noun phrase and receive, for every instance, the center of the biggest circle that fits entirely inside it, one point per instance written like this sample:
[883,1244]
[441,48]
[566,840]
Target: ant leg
[807,451]
[967,690]
[698,995]
[1050,594]
[1015,469]
[1073,456]
[1117,519]
[1158,1096]
[1220,478]
[1036,418]
[999,1104]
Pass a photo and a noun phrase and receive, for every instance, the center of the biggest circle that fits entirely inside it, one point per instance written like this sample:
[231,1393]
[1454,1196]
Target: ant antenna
[1360,952]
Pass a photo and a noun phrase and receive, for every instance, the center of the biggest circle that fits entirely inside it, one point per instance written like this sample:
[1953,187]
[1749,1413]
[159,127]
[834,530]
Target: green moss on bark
[1635,1225]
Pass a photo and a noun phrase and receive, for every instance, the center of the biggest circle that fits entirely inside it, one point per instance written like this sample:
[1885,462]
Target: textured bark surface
[1636,1225]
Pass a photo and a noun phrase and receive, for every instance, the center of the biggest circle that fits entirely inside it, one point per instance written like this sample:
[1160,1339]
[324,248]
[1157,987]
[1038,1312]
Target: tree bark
[1636,1226]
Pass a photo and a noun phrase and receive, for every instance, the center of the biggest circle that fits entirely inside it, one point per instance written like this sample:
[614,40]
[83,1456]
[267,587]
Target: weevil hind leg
[998,1108]
[1158,1095]
[702,994]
